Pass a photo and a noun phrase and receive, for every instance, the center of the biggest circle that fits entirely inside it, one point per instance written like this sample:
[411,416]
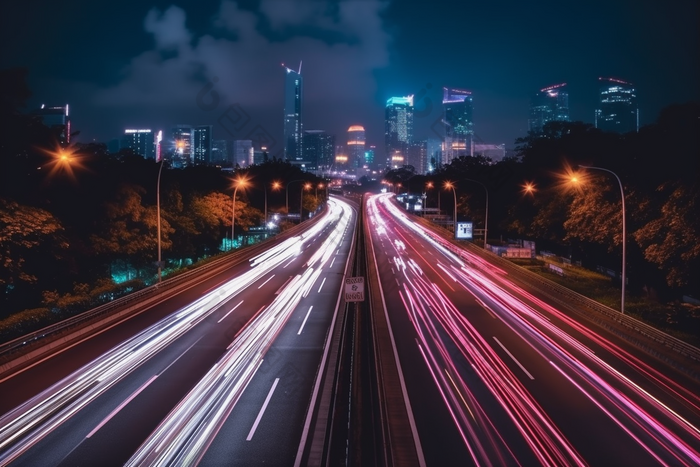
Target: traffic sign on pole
[354,289]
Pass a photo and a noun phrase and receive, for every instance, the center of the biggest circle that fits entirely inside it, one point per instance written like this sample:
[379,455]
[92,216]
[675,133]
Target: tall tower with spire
[293,128]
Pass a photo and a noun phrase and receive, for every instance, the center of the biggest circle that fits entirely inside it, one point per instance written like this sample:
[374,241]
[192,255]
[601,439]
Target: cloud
[341,45]
[168,28]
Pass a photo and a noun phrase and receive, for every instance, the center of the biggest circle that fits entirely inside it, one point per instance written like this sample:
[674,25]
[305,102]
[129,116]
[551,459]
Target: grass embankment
[677,319]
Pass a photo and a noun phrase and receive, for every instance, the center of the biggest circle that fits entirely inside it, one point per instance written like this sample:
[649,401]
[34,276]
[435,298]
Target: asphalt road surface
[221,374]
[497,376]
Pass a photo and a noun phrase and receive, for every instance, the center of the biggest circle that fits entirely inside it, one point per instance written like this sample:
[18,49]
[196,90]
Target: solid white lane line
[230,311]
[305,318]
[121,406]
[268,280]
[514,359]
[178,358]
[331,263]
[322,282]
[262,410]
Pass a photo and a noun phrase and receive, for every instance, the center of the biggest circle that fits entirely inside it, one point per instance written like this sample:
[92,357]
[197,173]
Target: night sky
[143,64]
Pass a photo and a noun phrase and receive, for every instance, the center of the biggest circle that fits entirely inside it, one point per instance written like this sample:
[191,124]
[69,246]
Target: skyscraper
[319,149]
[183,138]
[243,153]
[618,111]
[550,104]
[141,141]
[398,129]
[370,161]
[293,128]
[56,118]
[202,144]
[418,156]
[459,123]
[341,160]
[219,152]
[356,146]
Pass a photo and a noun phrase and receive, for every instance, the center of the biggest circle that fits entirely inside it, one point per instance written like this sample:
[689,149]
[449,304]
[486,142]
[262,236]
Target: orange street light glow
[529,188]
[63,160]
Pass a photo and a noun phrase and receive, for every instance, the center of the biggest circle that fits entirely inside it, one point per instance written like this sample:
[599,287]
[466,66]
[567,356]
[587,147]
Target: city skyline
[355,54]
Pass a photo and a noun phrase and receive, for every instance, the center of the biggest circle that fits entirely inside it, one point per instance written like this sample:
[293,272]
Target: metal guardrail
[629,322]
[19,344]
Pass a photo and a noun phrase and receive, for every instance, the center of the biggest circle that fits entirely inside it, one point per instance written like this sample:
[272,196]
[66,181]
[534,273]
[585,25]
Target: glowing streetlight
[239,183]
[306,186]
[63,160]
[624,230]
[486,215]
[450,186]
[275,186]
[529,188]
[160,261]
[430,186]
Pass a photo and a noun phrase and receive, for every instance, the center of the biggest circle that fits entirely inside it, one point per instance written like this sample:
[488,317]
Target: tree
[23,230]
[129,230]
[593,218]
[672,240]
[30,242]
[214,211]
[184,230]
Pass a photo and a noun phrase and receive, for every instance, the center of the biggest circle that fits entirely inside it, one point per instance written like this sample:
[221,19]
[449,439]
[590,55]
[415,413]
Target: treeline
[533,196]
[78,225]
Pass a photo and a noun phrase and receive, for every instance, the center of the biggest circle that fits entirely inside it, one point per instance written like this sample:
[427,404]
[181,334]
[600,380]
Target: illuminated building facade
[418,156]
[243,153]
[319,149]
[219,153]
[370,158]
[457,107]
[293,129]
[202,144]
[341,161]
[183,139]
[617,111]
[398,129]
[550,104]
[356,146]
[57,119]
[141,141]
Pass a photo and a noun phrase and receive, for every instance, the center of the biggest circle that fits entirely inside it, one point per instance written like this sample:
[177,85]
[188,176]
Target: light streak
[662,433]
[27,424]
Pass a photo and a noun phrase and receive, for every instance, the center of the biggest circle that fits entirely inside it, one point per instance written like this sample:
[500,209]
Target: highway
[495,375]
[222,374]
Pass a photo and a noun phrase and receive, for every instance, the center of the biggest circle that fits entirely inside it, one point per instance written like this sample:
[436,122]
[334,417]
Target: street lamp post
[241,182]
[428,186]
[287,193]
[160,170]
[275,186]
[624,233]
[301,200]
[486,215]
[450,185]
